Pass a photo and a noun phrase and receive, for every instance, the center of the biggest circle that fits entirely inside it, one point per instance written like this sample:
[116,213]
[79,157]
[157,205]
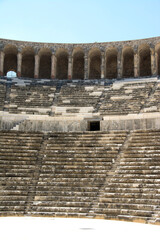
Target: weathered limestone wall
[131,122]
[95,60]
[78,124]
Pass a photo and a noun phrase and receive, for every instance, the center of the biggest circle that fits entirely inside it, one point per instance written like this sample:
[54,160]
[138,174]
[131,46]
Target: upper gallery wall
[137,58]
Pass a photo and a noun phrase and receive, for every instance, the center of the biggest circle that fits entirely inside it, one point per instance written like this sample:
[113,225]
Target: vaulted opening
[128,62]
[95,64]
[158,58]
[10,59]
[45,63]
[144,61]
[78,64]
[111,63]
[62,64]
[28,62]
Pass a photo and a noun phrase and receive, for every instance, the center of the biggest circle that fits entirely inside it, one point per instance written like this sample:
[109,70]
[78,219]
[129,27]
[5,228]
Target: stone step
[135,171]
[61,209]
[155,202]
[83,204]
[117,211]
[129,206]
[137,176]
[131,195]
[132,190]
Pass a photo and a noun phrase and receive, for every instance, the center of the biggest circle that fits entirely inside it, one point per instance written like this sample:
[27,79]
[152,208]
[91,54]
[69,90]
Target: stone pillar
[153,62]
[86,66]
[53,66]
[2,54]
[157,62]
[136,62]
[19,64]
[103,65]
[70,59]
[36,66]
[119,63]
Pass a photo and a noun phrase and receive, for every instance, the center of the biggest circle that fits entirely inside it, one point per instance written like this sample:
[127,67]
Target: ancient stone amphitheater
[80,130]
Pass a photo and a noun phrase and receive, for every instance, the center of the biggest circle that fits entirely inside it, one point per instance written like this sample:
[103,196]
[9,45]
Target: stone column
[53,66]
[86,66]
[19,64]
[36,66]
[119,64]
[2,54]
[136,62]
[157,62]
[70,59]
[153,62]
[103,65]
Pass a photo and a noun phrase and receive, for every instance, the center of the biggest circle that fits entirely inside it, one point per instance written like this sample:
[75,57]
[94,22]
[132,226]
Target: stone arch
[45,63]
[28,62]
[128,62]
[10,59]
[157,50]
[62,63]
[78,63]
[111,63]
[95,64]
[145,60]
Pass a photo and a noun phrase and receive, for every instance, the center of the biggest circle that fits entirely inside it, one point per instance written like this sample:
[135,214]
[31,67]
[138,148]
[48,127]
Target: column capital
[119,49]
[86,53]
[2,53]
[53,53]
[152,49]
[135,49]
[36,51]
[1,46]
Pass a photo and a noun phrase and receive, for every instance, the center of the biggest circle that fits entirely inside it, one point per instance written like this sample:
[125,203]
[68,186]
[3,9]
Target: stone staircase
[18,158]
[132,192]
[74,167]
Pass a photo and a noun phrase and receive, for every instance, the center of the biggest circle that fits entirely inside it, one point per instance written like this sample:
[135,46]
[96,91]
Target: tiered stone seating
[18,157]
[153,103]
[129,98]
[2,96]
[73,98]
[31,99]
[74,167]
[74,95]
[133,191]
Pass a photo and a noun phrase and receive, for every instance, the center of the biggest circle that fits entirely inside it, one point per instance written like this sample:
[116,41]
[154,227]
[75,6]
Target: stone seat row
[107,100]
